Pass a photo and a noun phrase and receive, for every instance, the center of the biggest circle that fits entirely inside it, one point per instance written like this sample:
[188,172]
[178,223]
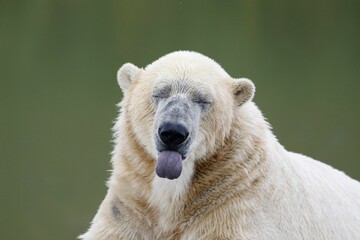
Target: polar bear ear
[126,75]
[244,90]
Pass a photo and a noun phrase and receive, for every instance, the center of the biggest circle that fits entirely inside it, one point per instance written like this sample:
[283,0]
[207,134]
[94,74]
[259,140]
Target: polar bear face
[181,107]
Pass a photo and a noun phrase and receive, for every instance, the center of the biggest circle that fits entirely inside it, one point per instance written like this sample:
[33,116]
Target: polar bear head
[181,107]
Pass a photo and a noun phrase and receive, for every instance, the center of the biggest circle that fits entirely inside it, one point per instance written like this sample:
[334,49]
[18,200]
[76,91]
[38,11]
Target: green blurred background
[58,61]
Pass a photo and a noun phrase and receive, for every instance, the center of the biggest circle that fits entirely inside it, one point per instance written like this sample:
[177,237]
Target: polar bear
[194,158]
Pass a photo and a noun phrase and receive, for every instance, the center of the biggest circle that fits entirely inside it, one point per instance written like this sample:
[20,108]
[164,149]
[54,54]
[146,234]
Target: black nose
[173,134]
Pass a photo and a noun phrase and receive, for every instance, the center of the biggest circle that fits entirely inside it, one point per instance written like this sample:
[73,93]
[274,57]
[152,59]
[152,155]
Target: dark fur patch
[115,211]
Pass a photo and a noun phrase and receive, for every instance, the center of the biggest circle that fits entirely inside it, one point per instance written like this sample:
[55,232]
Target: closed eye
[202,102]
[158,96]
[162,92]
[201,99]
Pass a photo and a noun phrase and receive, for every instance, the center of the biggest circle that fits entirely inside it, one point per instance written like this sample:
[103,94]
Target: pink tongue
[169,164]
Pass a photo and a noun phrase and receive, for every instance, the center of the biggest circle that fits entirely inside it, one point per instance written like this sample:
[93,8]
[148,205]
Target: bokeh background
[58,61]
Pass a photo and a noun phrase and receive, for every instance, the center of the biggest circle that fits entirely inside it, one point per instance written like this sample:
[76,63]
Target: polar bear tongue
[169,164]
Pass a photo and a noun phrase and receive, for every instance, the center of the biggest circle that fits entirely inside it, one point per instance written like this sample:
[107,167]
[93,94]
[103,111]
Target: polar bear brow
[162,91]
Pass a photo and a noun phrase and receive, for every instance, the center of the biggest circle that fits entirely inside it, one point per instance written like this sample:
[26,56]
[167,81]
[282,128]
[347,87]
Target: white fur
[294,197]
[167,194]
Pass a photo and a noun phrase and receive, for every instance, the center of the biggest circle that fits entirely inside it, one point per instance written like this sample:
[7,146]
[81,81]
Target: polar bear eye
[163,92]
[202,102]
[158,96]
[201,99]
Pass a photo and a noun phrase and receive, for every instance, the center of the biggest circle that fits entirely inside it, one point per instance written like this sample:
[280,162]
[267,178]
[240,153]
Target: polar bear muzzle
[169,162]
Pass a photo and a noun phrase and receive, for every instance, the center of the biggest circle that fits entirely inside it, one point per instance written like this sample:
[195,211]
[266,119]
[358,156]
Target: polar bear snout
[172,140]
[173,134]
[176,122]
